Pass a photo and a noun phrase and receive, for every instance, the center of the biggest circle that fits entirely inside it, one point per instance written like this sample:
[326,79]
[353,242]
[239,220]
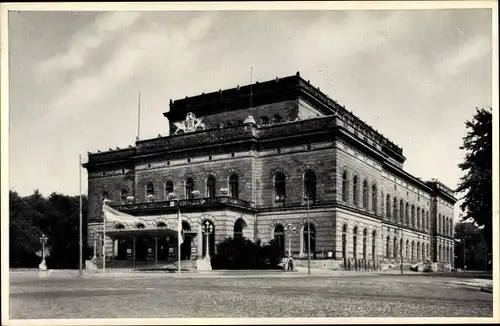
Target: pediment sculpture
[191,124]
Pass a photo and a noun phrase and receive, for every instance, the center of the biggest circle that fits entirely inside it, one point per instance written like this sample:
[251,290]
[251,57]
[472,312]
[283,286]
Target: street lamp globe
[43,265]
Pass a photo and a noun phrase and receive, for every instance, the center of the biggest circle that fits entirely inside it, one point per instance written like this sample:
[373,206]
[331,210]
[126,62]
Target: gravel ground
[358,295]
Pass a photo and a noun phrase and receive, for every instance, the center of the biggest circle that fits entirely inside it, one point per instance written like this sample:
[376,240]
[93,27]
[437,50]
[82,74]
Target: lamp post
[94,236]
[173,197]
[401,249]
[308,237]
[462,241]
[207,230]
[43,265]
[290,229]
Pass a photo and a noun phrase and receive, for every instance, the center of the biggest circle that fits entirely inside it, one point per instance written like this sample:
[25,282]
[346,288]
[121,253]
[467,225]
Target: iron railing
[192,202]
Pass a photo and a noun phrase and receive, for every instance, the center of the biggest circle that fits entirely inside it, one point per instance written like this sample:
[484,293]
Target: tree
[475,249]
[24,232]
[476,183]
[57,217]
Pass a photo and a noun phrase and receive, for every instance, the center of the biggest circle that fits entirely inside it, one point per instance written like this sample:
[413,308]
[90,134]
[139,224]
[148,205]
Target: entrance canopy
[121,233]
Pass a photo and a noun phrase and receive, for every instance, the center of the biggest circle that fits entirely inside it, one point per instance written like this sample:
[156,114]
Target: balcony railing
[193,202]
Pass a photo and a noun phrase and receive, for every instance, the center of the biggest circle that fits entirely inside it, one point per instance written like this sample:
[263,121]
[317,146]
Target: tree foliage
[242,253]
[472,241]
[57,217]
[476,183]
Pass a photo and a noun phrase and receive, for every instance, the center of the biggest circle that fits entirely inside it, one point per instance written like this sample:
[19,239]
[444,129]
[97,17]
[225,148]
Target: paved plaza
[244,294]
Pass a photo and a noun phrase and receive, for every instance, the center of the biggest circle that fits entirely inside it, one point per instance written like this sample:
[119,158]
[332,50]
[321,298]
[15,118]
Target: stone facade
[364,207]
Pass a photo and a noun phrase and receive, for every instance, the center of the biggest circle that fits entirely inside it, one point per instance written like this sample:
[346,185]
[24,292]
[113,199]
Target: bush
[241,253]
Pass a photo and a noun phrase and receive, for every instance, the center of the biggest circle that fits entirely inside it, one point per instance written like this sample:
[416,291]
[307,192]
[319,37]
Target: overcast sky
[415,76]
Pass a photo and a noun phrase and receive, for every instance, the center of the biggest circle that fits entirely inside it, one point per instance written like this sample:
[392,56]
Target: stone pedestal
[43,266]
[90,265]
[204,264]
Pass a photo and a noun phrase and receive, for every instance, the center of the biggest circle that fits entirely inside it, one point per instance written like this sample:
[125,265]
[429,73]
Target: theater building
[258,160]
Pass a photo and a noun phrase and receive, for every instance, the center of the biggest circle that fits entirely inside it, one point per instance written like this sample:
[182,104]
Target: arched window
[313,239]
[407,214]
[374,241]
[169,188]
[344,242]
[365,194]
[451,227]
[233,186]
[423,220]
[280,187]
[365,233]
[119,227]
[123,196]
[388,207]
[400,249]
[355,198]
[310,186]
[239,225]
[276,118]
[413,251]
[428,221]
[150,192]
[279,238]
[161,225]
[345,187]
[418,217]
[407,249]
[401,212]
[446,226]
[427,251]
[395,209]
[140,226]
[439,224]
[189,188]
[264,121]
[413,215]
[355,242]
[395,246]
[374,198]
[388,247]
[211,186]
[382,198]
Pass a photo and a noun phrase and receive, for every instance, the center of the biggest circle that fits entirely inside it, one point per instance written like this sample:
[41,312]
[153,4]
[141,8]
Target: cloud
[83,43]
[139,49]
[473,49]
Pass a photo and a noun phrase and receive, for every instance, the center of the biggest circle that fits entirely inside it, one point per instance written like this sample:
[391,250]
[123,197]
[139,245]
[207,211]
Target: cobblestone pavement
[361,295]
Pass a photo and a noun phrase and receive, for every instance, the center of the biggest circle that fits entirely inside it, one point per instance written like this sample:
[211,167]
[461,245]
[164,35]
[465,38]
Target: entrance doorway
[163,248]
[186,247]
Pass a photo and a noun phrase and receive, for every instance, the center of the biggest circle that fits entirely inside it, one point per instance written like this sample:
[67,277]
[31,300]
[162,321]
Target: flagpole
[103,241]
[81,219]
[179,225]
[138,116]
[251,81]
